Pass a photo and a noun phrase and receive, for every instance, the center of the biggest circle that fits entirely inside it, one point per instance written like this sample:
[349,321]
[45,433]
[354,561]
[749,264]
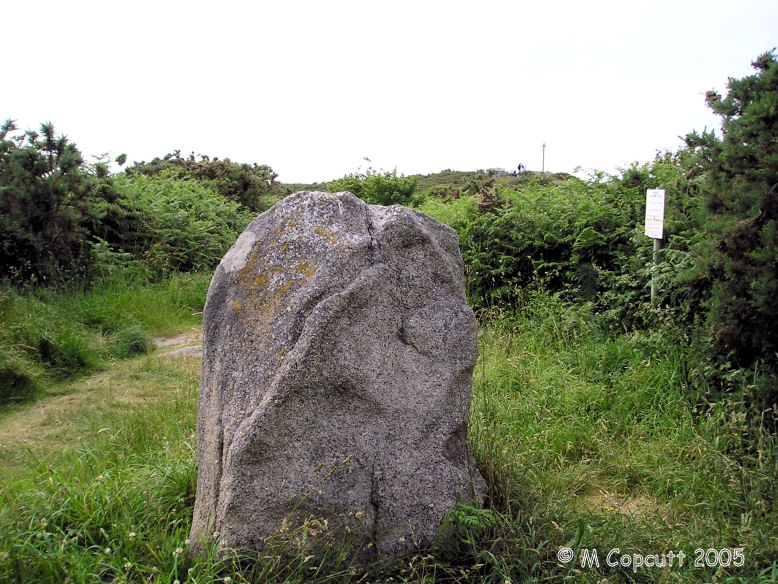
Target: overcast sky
[312,87]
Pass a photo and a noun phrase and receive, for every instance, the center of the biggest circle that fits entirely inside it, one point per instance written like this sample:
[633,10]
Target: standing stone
[337,377]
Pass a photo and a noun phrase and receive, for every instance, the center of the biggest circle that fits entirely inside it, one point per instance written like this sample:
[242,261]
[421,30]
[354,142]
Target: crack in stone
[375,504]
[372,246]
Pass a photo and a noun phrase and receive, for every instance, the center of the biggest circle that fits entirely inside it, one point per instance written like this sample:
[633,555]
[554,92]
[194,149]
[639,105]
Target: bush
[377,188]
[567,237]
[739,178]
[188,226]
[253,186]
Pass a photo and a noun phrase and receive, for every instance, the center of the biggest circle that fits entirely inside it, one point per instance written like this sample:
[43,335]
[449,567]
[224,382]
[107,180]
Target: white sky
[312,87]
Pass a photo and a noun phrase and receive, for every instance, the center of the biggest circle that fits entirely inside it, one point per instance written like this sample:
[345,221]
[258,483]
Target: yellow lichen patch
[291,222]
[236,305]
[248,277]
[306,269]
[258,281]
[328,234]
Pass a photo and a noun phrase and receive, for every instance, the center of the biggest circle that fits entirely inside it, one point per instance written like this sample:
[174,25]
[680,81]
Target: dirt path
[187,343]
[57,420]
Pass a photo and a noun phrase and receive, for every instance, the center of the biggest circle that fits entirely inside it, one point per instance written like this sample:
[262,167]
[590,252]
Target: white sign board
[655,213]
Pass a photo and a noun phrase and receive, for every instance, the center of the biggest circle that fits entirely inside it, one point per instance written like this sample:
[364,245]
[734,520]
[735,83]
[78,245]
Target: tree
[739,182]
[51,208]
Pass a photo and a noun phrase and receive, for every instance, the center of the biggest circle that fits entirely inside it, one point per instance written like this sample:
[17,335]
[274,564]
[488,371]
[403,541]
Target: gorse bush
[718,277]
[251,185]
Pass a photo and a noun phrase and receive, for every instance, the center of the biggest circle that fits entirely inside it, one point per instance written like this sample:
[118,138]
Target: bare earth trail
[56,421]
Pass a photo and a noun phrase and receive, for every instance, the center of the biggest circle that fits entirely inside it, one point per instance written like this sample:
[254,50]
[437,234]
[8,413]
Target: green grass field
[588,441]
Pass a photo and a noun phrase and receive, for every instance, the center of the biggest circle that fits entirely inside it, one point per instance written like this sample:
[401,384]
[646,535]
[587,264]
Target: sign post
[655,228]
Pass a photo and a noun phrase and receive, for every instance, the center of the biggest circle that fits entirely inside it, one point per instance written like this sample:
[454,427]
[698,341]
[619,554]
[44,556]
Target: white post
[657,248]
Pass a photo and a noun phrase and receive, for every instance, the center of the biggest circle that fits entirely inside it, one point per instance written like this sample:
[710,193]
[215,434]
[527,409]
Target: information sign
[655,213]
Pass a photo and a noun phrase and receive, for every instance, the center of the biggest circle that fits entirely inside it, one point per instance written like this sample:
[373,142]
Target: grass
[587,439]
[604,435]
[102,489]
[453,212]
[47,336]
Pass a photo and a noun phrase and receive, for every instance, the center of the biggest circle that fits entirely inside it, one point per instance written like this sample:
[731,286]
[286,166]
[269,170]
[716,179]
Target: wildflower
[227,580]
[178,552]
[132,536]
[127,565]
[186,542]
[107,551]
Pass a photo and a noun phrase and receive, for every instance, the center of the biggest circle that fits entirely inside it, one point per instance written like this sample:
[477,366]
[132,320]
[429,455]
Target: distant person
[521,168]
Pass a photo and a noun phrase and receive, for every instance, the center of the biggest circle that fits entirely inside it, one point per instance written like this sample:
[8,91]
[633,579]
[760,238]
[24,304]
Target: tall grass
[54,334]
[596,440]
[588,439]
[115,506]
